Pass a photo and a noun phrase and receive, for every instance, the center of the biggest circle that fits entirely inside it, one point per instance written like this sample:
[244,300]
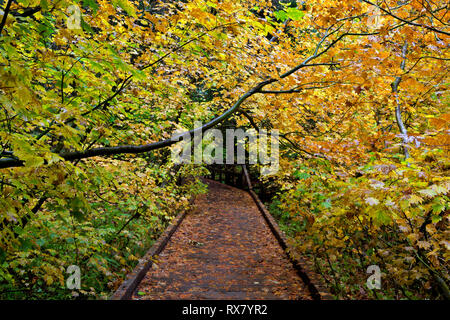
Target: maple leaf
[372,201]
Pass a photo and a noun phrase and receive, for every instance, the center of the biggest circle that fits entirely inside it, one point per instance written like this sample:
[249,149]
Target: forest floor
[223,249]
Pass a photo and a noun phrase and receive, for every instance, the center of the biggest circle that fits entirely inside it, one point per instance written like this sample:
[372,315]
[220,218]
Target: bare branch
[5,15]
[407,21]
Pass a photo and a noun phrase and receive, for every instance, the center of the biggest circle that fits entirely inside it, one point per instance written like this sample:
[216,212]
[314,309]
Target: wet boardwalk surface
[222,250]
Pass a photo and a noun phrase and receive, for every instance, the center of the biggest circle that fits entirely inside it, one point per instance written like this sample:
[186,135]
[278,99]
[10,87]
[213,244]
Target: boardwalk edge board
[311,279]
[129,285]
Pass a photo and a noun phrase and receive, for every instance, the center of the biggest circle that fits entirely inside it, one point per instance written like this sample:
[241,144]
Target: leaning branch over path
[133,149]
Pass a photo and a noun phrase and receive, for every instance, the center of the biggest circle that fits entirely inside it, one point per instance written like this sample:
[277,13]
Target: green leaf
[91,4]
[435,219]
[25,244]
[41,242]
[290,13]
[326,204]
[281,15]
[2,256]
[44,5]
[86,27]
[126,6]
[295,14]
[438,207]
[383,217]
[301,175]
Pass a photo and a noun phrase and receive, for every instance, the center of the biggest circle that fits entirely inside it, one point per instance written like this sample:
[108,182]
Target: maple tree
[357,90]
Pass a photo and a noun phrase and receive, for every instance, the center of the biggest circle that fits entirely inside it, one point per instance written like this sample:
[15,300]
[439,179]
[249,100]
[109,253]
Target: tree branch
[407,21]
[398,112]
[5,15]
[132,149]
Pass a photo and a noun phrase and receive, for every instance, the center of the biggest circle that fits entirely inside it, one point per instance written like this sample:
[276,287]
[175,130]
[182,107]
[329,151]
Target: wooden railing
[236,175]
[231,174]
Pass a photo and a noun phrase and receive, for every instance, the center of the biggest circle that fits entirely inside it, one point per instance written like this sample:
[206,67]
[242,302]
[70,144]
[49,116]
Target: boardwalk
[222,250]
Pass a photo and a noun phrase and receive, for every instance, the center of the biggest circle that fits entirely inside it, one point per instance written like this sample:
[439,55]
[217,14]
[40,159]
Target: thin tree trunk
[398,111]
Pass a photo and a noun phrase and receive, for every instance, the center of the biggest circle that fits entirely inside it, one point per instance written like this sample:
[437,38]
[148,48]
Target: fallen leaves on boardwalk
[222,250]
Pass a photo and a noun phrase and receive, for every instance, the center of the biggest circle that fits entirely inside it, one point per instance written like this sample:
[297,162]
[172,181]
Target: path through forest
[223,249]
